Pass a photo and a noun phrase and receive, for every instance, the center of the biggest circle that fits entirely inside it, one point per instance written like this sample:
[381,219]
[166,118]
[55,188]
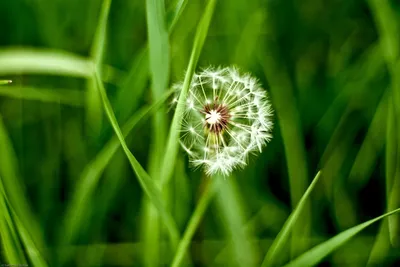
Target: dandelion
[227,117]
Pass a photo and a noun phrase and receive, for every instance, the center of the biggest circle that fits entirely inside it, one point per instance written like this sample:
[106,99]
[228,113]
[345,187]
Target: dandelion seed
[227,117]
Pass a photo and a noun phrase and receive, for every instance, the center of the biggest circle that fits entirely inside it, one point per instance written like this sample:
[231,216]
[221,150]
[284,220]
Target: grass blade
[159,70]
[132,87]
[386,21]
[176,13]
[91,174]
[316,254]
[9,238]
[289,122]
[94,113]
[41,61]
[158,46]
[371,147]
[26,225]
[145,181]
[14,188]
[173,137]
[128,99]
[276,248]
[99,40]
[244,52]
[230,204]
[381,248]
[195,220]
[32,249]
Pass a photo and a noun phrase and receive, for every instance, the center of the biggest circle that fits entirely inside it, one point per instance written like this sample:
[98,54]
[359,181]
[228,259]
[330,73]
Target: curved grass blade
[144,179]
[44,61]
[14,190]
[15,255]
[92,172]
[173,137]
[9,238]
[32,249]
[319,252]
[276,248]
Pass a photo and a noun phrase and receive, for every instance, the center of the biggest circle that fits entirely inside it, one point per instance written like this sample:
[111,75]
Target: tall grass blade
[144,179]
[319,252]
[388,29]
[99,41]
[381,247]
[133,85]
[175,13]
[94,113]
[171,152]
[275,250]
[159,70]
[91,174]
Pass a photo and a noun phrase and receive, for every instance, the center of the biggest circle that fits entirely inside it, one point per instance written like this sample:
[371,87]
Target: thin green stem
[195,220]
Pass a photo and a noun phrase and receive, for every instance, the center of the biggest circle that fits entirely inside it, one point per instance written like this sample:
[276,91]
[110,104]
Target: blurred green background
[71,196]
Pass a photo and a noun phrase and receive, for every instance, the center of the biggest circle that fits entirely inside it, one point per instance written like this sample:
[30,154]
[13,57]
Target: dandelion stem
[195,220]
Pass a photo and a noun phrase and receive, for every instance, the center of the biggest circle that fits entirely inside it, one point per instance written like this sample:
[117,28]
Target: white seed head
[227,117]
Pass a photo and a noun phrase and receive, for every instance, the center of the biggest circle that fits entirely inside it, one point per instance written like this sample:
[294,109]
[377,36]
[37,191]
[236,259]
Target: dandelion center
[216,117]
[213,117]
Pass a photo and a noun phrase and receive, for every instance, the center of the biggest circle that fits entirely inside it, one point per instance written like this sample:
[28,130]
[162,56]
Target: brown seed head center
[216,117]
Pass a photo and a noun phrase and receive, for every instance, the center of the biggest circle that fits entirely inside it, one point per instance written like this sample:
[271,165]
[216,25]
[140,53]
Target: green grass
[388,28]
[316,254]
[276,248]
[91,172]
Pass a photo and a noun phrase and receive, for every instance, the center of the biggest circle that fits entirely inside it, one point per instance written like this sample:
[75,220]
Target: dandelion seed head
[227,118]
